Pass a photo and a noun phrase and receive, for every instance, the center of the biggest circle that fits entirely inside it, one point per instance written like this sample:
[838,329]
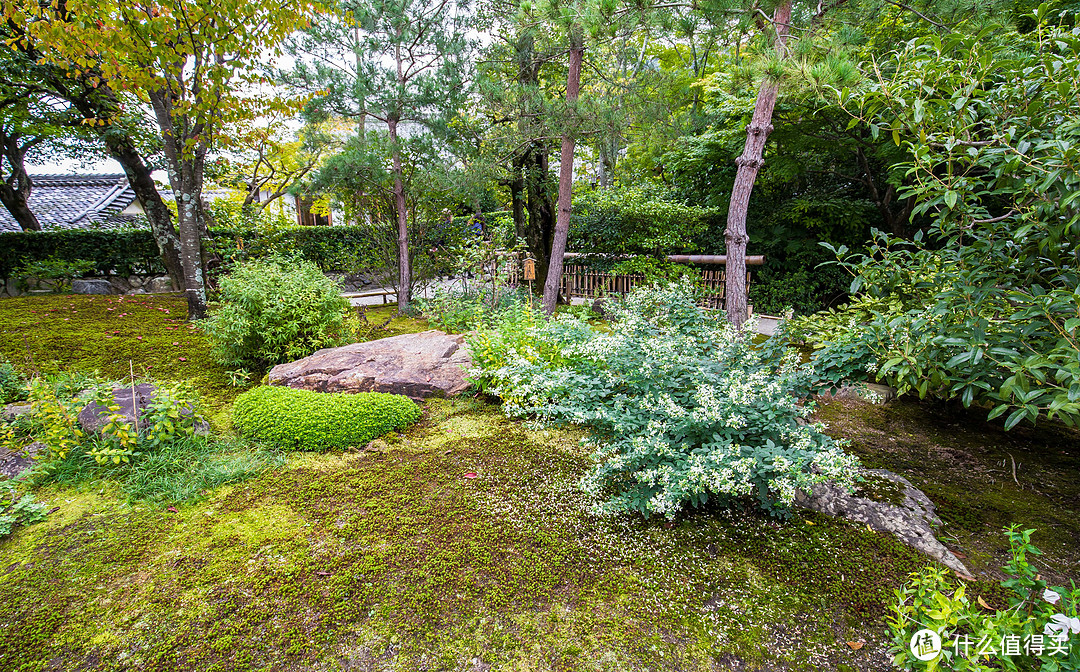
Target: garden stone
[428,364]
[12,411]
[92,286]
[159,285]
[94,416]
[14,463]
[909,517]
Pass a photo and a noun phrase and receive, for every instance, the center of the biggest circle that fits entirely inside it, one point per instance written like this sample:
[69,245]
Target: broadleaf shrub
[678,405]
[305,420]
[1040,625]
[275,311]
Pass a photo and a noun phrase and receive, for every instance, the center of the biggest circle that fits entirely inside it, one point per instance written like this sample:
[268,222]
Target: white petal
[1074,625]
[1051,596]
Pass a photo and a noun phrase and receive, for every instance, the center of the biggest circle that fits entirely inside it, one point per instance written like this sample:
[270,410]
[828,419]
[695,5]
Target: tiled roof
[76,202]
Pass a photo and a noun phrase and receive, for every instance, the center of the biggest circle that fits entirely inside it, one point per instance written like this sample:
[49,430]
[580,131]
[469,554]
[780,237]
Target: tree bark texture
[749,163]
[566,179]
[186,179]
[158,214]
[15,190]
[404,289]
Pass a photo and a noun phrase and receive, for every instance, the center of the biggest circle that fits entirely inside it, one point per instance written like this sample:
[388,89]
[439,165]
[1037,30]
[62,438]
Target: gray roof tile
[76,202]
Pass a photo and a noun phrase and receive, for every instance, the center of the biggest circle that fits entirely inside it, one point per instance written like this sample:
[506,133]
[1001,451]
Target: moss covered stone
[305,420]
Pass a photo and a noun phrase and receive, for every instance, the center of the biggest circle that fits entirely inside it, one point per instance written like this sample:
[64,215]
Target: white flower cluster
[679,407]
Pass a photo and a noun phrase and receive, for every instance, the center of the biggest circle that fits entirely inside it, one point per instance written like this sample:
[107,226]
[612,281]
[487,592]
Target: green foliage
[680,408]
[60,271]
[56,401]
[304,420]
[12,384]
[333,248]
[991,305]
[463,311]
[1036,613]
[185,471]
[636,220]
[121,252]
[18,510]
[170,414]
[274,311]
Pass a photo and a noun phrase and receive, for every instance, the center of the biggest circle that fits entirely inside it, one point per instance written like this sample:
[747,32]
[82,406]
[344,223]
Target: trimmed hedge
[304,420]
[332,248]
[126,252]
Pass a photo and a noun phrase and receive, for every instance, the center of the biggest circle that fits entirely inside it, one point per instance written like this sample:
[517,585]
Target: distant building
[108,202]
[79,202]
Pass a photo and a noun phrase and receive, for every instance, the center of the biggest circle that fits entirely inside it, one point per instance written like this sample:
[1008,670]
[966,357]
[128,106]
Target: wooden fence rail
[583,282]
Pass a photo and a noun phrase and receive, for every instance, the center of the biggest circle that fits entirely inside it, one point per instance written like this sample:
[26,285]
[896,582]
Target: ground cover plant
[464,542]
[306,420]
[679,406]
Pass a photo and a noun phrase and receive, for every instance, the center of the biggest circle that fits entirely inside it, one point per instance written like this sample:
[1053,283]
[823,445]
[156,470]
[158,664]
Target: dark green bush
[304,420]
[275,311]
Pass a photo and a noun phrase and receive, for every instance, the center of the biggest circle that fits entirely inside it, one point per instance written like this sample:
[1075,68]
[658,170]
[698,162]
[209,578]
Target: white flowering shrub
[679,408]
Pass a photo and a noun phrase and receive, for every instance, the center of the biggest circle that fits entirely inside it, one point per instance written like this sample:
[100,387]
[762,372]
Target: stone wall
[111,284]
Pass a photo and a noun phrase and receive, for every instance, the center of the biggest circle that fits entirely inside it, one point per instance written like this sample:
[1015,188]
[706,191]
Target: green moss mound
[303,420]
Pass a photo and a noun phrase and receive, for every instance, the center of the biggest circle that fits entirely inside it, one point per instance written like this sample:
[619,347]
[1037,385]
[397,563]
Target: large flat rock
[428,364]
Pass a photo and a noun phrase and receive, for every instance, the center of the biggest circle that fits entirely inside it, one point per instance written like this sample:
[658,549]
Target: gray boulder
[908,514]
[12,411]
[428,364]
[92,286]
[94,416]
[14,463]
[159,285]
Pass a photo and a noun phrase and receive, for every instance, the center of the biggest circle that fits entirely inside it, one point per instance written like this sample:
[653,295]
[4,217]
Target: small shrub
[304,420]
[679,406]
[16,510]
[1037,632]
[275,311]
[170,415]
[12,385]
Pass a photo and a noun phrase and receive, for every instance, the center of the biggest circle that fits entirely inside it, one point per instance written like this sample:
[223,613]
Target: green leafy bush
[122,252]
[305,420]
[12,385]
[275,311]
[1038,631]
[170,415]
[18,510]
[679,406]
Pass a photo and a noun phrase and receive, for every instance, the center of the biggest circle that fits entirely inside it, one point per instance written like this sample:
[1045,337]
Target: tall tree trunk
[566,178]
[749,163]
[125,153]
[186,180]
[404,288]
[15,191]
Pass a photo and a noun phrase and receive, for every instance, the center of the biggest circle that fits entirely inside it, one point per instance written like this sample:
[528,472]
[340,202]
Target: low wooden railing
[583,282]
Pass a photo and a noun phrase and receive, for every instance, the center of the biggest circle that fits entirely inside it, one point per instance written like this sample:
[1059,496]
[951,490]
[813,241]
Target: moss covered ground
[463,543]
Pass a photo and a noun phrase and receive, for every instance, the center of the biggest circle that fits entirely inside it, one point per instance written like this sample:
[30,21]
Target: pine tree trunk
[404,288]
[749,163]
[566,179]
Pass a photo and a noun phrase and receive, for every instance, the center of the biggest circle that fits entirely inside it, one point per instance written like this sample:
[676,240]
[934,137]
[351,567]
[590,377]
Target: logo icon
[925,645]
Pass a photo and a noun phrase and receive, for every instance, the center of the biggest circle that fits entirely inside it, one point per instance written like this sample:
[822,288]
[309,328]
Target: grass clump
[304,420]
